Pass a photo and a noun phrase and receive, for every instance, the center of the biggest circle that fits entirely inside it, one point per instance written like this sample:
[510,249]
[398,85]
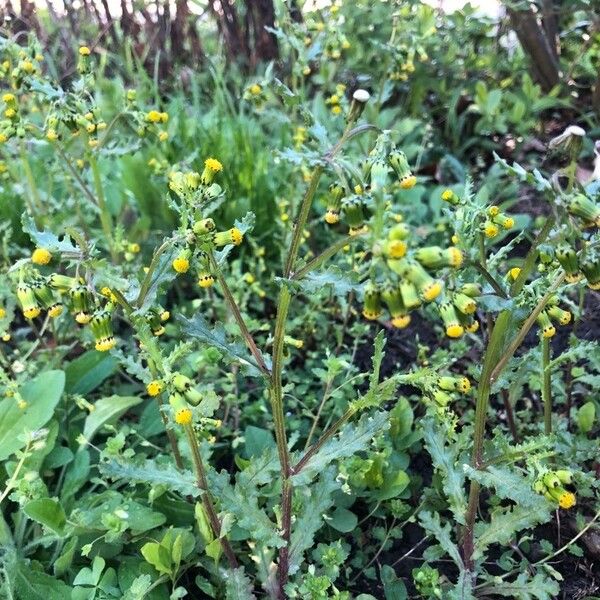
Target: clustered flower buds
[195,190]
[551,485]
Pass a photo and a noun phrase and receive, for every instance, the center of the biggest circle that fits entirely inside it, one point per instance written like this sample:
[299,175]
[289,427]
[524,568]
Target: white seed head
[361,96]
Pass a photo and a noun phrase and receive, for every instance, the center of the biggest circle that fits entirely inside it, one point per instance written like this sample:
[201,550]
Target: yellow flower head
[490,230]
[84,51]
[567,500]
[41,256]
[454,331]
[181,264]
[163,136]
[401,322]
[51,135]
[8,98]
[154,388]
[336,110]
[153,116]
[493,211]
[28,66]
[164,117]
[255,89]
[431,292]
[2,313]
[213,164]
[408,182]
[105,344]
[183,416]
[447,195]
[515,272]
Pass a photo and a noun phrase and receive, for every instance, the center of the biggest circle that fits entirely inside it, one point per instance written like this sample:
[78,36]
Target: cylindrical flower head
[450,197]
[154,321]
[567,258]
[44,294]
[441,397]
[101,327]
[205,279]
[464,303]
[354,213]
[400,231]
[451,320]
[81,303]
[334,203]
[504,221]
[372,302]
[454,384]
[399,163]
[29,304]
[581,206]
[410,295]
[62,283]
[434,257]
[563,317]
[181,411]
[231,236]
[211,167]
[428,287]
[379,174]
[590,266]
[470,324]
[546,327]
[564,498]
[564,475]
[392,297]
[471,289]
[203,226]
[186,386]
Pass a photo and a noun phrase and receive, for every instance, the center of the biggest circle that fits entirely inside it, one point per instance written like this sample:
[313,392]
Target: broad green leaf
[158,556]
[586,415]
[46,239]
[393,486]
[63,563]
[107,410]
[48,512]
[33,585]
[393,587]
[41,395]
[88,371]
[342,519]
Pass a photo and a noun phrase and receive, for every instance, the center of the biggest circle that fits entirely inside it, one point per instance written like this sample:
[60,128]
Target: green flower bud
[410,295]
[434,257]
[590,266]
[334,203]
[379,174]
[504,221]
[451,320]
[101,327]
[399,163]
[354,215]
[62,283]
[154,321]
[546,327]
[185,386]
[546,254]
[454,384]
[203,226]
[471,289]
[581,206]
[400,231]
[428,287]
[46,297]
[231,236]
[28,301]
[464,303]
[441,397]
[82,303]
[567,258]
[563,317]
[372,302]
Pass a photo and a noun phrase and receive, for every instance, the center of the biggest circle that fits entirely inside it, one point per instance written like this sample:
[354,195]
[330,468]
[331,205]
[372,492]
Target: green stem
[37,201]
[105,217]
[325,255]
[239,319]
[546,385]
[205,495]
